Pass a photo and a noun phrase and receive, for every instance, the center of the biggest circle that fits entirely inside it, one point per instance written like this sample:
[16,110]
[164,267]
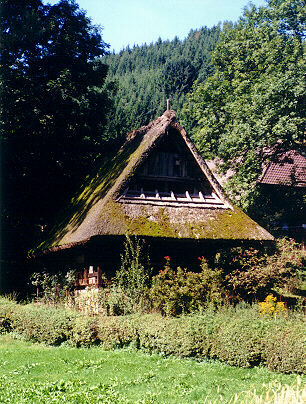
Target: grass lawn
[33,373]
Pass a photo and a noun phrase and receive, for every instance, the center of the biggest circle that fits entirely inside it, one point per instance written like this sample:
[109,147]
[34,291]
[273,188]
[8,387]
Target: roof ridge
[169,115]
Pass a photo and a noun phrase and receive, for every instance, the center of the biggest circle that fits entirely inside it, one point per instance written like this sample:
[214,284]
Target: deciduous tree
[53,107]
[256,96]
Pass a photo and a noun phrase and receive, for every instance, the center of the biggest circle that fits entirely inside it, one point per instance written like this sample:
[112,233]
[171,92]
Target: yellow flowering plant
[271,307]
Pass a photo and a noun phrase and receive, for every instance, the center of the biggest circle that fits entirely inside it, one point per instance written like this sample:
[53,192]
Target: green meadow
[36,373]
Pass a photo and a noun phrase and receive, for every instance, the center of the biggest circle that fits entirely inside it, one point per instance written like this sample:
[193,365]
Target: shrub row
[238,336]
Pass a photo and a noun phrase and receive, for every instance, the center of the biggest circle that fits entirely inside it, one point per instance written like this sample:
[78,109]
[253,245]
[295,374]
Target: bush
[185,336]
[7,308]
[134,276]
[239,340]
[115,301]
[117,332]
[85,331]
[284,345]
[178,291]
[53,288]
[111,301]
[251,275]
[42,324]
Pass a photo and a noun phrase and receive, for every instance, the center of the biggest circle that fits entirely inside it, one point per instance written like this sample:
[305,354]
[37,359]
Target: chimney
[168,104]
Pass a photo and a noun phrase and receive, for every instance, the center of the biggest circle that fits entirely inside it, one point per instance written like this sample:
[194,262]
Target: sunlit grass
[32,373]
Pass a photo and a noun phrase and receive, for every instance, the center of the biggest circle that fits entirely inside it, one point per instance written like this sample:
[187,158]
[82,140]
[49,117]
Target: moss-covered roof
[97,211]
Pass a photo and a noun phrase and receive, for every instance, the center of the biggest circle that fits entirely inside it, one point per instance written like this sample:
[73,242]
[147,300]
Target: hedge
[237,336]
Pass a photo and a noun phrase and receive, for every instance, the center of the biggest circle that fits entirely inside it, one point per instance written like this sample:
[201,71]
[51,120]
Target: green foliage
[178,291]
[125,293]
[134,275]
[212,279]
[42,324]
[255,97]
[85,331]
[114,301]
[239,341]
[185,336]
[8,306]
[238,274]
[287,351]
[239,336]
[53,111]
[252,275]
[53,288]
[291,263]
[118,332]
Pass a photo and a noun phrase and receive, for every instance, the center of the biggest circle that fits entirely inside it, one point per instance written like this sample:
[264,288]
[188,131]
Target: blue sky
[129,22]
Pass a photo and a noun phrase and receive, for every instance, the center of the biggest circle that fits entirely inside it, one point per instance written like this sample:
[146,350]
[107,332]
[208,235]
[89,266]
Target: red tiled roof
[286,168]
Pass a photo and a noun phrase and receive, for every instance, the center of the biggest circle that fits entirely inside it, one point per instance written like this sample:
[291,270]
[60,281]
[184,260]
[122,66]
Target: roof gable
[104,206]
[171,176]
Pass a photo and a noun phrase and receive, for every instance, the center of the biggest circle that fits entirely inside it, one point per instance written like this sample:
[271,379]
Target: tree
[256,96]
[178,76]
[53,108]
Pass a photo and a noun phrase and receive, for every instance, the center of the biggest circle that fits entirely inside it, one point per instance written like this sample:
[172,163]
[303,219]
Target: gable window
[165,164]
[170,176]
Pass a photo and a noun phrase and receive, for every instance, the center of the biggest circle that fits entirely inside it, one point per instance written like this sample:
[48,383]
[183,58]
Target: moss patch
[233,224]
[117,218]
[158,227]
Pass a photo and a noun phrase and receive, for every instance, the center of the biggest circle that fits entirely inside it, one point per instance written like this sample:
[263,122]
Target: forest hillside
[143,77]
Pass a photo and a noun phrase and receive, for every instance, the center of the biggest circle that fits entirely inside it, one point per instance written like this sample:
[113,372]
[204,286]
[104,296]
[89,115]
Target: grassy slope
[31,373]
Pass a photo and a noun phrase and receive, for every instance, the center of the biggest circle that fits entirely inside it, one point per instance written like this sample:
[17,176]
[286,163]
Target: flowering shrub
[270,306]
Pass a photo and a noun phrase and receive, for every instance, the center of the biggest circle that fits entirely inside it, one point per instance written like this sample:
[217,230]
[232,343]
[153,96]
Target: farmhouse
[156,187]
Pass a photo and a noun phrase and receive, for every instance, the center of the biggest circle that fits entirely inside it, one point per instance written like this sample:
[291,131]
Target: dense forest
[65,101]
[143,77]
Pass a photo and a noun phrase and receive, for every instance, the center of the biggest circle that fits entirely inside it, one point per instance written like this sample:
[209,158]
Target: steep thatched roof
[98,210]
